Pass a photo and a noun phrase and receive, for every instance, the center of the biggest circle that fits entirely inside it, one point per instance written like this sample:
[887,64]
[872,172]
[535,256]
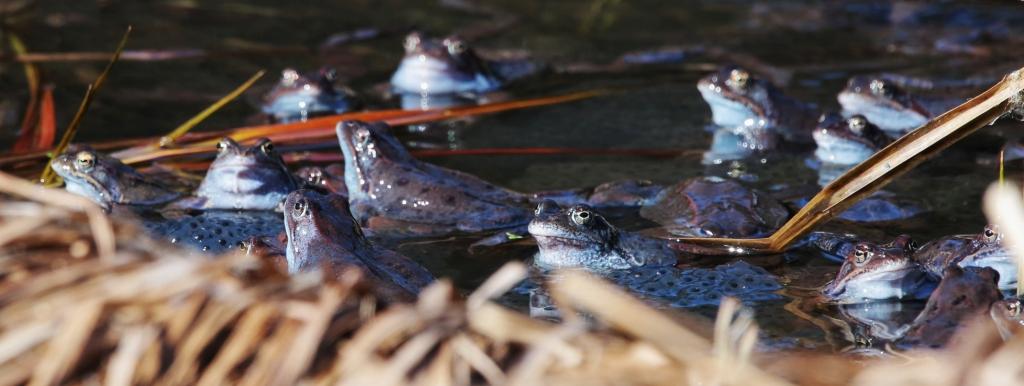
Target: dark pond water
[653,107]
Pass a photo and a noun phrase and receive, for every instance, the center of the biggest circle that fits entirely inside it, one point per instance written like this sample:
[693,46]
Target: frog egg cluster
[694,287]
[217,232]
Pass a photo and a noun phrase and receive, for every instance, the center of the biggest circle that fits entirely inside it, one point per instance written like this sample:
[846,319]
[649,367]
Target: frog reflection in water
[106,180]
[389,189]
[253,178]
[322,234]
[297,97]
[579,237]
[736,98]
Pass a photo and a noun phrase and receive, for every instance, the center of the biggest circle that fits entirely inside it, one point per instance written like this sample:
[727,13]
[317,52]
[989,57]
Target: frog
[847,141]
[737,98]
[243,178]
[712,206]
[579,237]
[1006,314]
[330,177]
[447,66]
[879,207]
[872,272]
[107,181]
[963,294]
[321,233]
[391,190]
[887,105]
[983,249]
[298,97]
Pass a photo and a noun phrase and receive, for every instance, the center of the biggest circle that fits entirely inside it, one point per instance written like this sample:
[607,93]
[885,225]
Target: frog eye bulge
[267,147]
[861,255]
[857,123]
[300,208]
[738,79]
[411,42]
[363,134]
[223,145]
[880,87]
[581,216]
[85,160]
[990,234]
[455,46]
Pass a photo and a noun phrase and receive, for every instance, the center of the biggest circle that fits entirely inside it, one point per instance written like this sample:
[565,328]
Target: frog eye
[289,76]
[857,123]
[411,41]
[738,79]
[300,208]
[329,74]
[991,235]
[1013,308]
[267,147]
[223,145]
[315,177]
[880,87]
[862,254]
[912,245]
[581,216]
[455,46]
[363,134]
[85,160]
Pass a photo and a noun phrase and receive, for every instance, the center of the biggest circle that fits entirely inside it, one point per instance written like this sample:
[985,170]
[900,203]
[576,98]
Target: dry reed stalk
[234,320]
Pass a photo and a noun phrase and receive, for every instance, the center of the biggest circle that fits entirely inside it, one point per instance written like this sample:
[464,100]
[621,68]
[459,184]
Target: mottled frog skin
[106,180]
[322,234]
[963,294]
[715,207]
[248,178]
[738,98]
[579,237]
[298,97]
[388,188]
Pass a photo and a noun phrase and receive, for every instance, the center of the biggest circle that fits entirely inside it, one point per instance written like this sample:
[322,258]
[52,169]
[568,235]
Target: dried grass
[146,314]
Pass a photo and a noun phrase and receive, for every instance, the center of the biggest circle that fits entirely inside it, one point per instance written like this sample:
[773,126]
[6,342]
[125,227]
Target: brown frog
[879,271]
[321,233]
[390,190]
[715,207]
[964,293]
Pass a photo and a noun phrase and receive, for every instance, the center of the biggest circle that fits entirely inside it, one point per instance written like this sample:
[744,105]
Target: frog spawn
[215,231]
[695,287]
